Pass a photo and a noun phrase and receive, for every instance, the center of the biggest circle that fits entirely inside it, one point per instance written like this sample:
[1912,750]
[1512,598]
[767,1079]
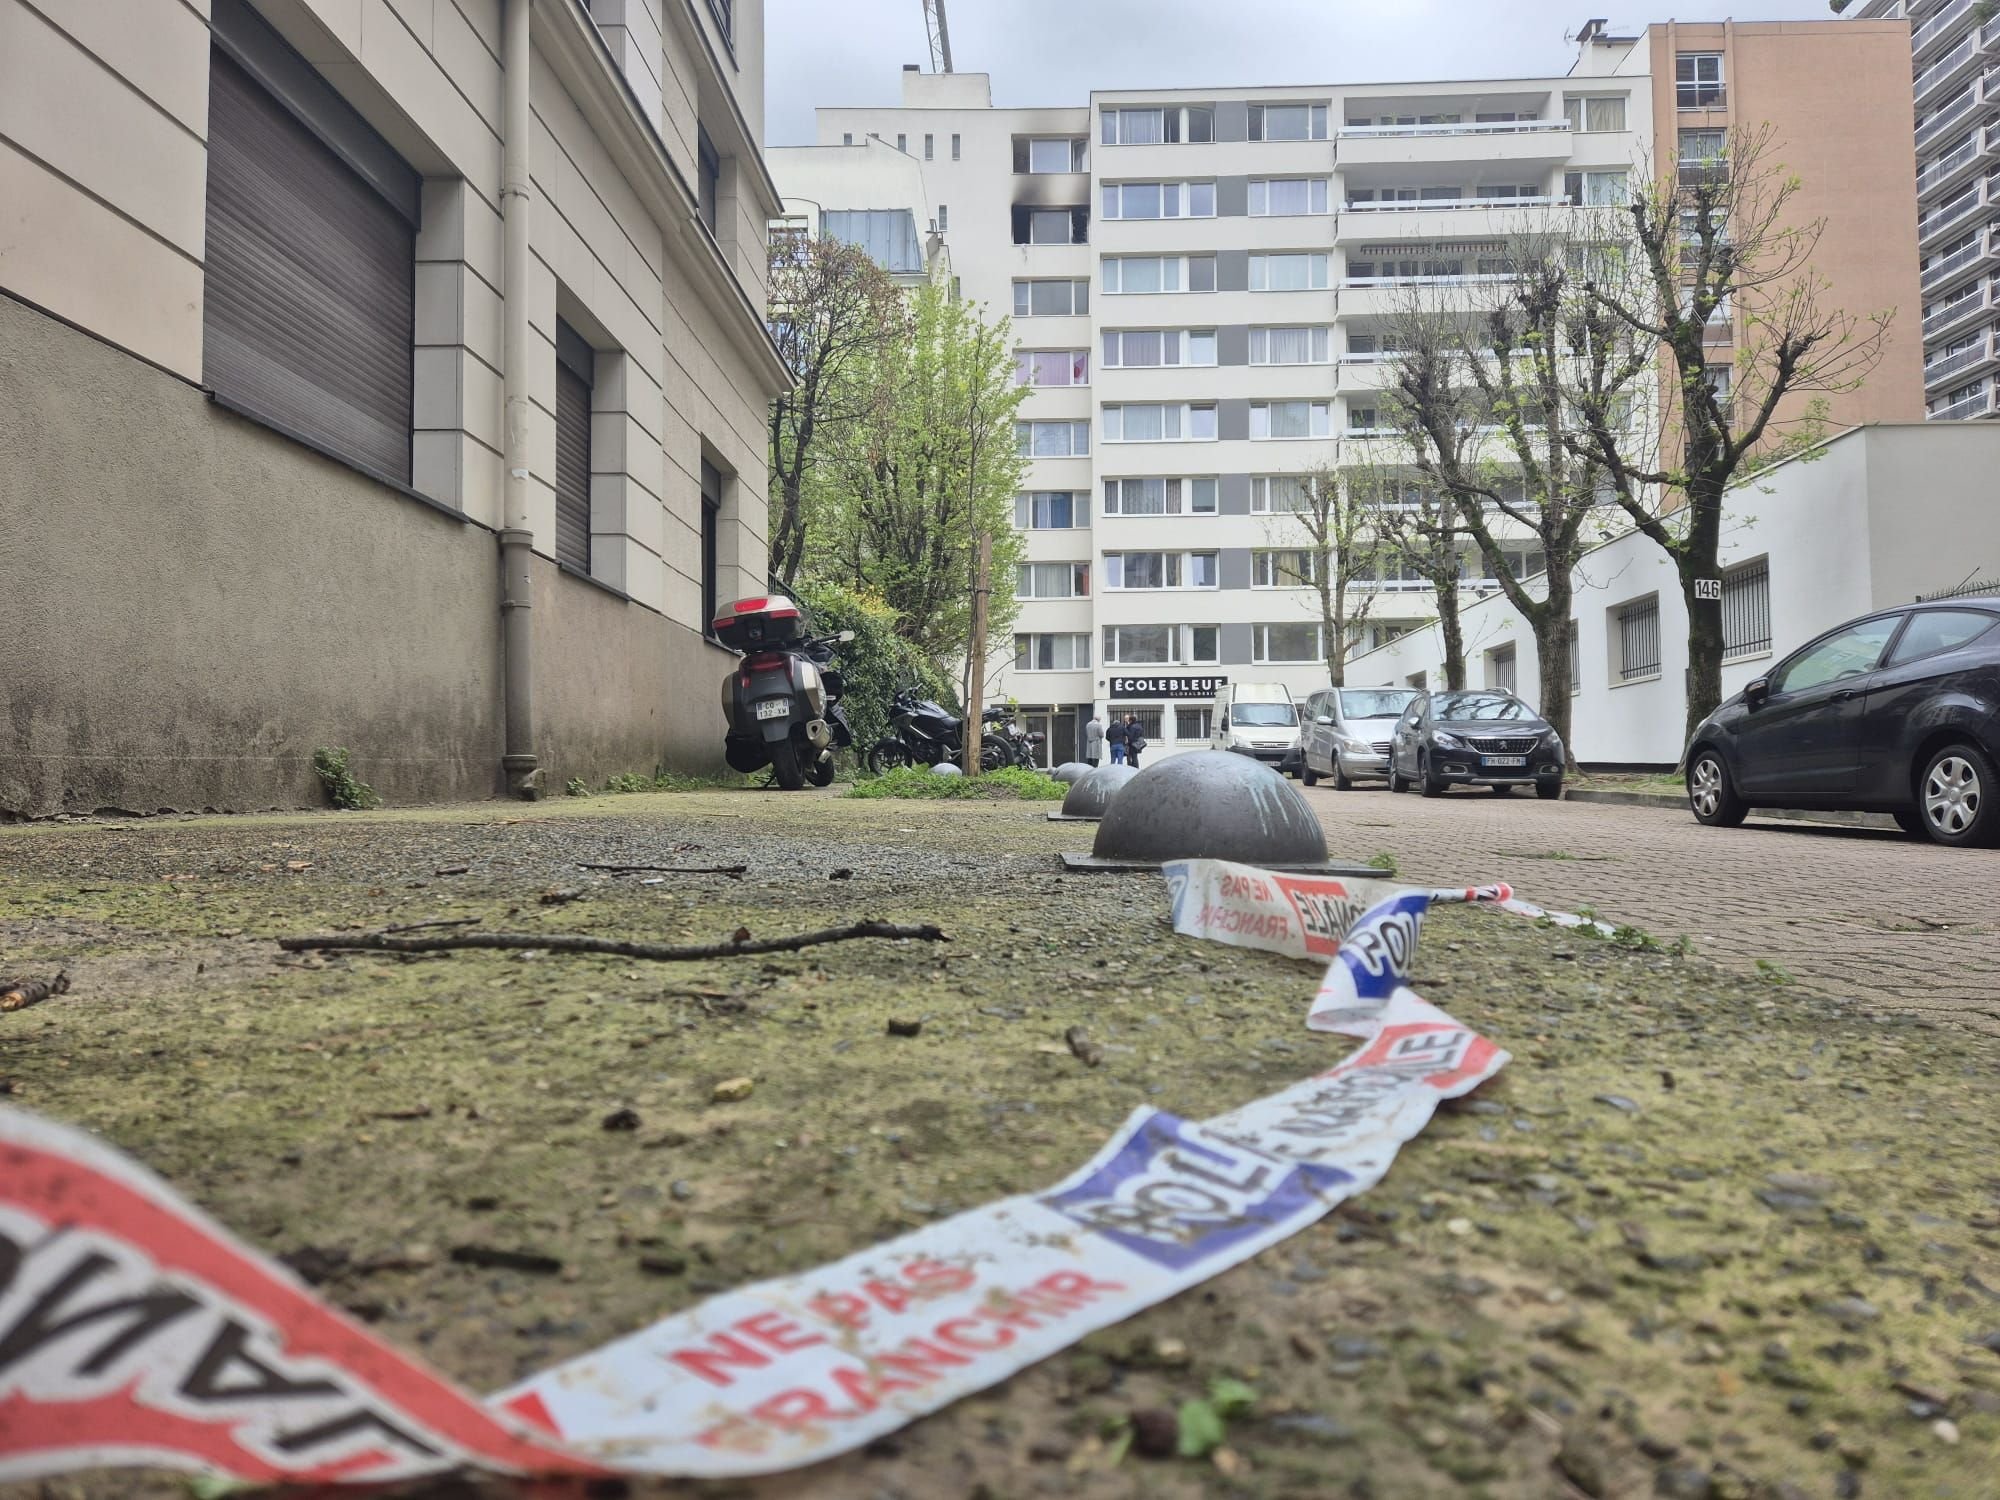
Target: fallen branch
[734,872]
[437,922]
[742,945]
[19,994]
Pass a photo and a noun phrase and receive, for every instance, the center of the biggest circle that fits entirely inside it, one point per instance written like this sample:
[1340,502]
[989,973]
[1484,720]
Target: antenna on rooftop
[940,35]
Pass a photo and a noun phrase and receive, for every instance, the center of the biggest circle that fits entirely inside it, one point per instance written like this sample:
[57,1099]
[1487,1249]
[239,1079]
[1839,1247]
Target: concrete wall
[1853,528]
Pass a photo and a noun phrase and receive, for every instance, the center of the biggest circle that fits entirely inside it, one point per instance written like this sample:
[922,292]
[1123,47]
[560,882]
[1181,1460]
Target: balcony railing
[1938,24]
[1360,283]
[1935,273]
[1474,127]
[1939,370]
[1423,204]
[1947,164]
[1951,114]
[1959,411]
[1938,71]
[1954,312]
[1948,214]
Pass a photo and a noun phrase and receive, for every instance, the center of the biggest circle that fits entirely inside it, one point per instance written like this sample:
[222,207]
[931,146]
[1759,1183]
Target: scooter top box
[766,620]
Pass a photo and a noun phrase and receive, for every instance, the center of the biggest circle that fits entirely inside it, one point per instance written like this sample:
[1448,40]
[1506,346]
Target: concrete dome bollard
[1089,797]
[1070,772]
[1210,804]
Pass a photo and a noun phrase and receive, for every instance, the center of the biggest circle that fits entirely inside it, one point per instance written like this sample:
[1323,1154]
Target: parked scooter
[783,700]
[926,734]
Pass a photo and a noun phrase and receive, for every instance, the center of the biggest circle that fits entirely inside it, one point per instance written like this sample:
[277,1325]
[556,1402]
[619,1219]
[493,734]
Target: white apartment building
[866,193]
[1955,81]
[1199,282]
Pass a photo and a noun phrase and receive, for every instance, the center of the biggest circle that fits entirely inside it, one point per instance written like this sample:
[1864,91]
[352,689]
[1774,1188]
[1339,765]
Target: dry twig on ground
[19,994]
[741,945]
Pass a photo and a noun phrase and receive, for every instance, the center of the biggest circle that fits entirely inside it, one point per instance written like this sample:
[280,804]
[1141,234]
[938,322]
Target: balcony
[1957,365]
[1501,141]
[1981,97]
[1928,37]
[1980,405]
[1441,219]
[1952,314]
[1941,172]
[1980,253]
[1946,70]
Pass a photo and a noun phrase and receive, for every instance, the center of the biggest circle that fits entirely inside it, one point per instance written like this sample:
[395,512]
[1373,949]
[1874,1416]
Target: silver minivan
[1347,732]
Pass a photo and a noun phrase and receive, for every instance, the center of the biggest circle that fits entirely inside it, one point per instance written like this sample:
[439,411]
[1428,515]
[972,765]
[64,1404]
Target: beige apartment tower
[314,310]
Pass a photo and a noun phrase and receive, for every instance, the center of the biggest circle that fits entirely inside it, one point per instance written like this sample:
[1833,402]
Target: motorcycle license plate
[781,708]
[1504,760]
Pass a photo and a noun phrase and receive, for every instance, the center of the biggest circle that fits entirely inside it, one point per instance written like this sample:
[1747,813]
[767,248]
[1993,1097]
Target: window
[1594,113]
[1717,378]
[1156,127]
[1279,494]
[1051,653]
[1128,274]
[307,318]
[1289,419]
[1272,196]
[903,144]
[1192,724]
[724,12]
[1050,299]
[1288,122]
[1051,226]
[1052,439]
[1129,571]
[1638,637]
[889,235]
[1149,718]
[1042,367]
[1847,653]
[1160,645]
[1296,642]
[1159,497]
[1702,148]
[1300,272]
[1160,422]
[1059,580]
[944,218]
[847,138]
[1698,80]
[710,175]
[930,146]
[1930,631]
[1159,200]
[1136,348]
[711,533]
[1597,189]
[1290,346]
[1051,510]
[1282,569]
[1746,610]
[575,364]
[1048,153]
[954,146]
[1575,659]
[1368,347]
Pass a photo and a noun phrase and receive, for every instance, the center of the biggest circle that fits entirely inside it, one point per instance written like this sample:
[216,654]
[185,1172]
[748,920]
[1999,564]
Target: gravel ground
[1706,1236]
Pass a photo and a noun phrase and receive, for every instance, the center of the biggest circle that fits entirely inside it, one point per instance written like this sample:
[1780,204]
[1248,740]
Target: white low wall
[1870,518]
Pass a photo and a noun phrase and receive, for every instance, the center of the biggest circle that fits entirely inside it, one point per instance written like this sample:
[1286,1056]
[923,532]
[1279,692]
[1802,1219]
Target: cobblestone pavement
[1845,911]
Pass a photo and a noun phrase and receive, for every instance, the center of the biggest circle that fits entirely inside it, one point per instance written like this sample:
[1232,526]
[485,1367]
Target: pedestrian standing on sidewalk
[1115,738]
[1135,740]
[1093,740]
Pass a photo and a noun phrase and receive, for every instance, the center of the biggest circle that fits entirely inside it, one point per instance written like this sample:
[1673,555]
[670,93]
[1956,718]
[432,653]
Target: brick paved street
[1848,912]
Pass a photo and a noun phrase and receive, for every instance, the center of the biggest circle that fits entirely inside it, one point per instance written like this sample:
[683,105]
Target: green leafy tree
[903,496]
[832,309]
[875,663]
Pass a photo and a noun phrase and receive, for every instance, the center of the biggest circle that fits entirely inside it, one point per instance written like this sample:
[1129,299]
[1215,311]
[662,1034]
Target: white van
[1257,718]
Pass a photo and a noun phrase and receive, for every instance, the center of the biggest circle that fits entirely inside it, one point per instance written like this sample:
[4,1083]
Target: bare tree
[1343,549]
[832,309]
[1710,248]
[1417,530]
[1487,394]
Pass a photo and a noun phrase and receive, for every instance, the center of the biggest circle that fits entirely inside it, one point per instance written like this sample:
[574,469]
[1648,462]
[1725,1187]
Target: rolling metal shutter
[309,311]
[574,367]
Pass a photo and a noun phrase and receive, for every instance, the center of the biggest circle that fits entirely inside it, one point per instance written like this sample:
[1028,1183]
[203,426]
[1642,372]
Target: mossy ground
[1706,1235]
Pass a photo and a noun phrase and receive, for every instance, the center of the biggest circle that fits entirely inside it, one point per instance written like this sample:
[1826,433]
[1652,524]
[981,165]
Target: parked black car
[1896,712]
[1478,737]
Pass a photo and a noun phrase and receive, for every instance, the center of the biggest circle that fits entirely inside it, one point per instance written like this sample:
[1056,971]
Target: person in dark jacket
[1114,736]
[1135,740]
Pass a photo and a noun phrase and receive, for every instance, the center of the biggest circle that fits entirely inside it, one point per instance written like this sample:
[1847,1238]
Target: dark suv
[1474,737]
[1897,712]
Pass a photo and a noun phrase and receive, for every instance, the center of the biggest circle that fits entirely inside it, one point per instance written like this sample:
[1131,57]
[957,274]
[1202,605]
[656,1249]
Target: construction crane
[940,36]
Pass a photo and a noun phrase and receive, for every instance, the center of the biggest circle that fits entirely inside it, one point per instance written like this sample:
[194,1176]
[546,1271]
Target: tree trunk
[975,674]
[1333,624]
[1704,671]
[1454,638]
[1553,636]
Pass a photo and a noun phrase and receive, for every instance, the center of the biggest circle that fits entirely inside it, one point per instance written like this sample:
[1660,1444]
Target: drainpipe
[524,777]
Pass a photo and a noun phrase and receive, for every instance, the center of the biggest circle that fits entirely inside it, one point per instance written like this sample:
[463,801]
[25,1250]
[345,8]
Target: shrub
[875,663]
[1011,784]
[342,789]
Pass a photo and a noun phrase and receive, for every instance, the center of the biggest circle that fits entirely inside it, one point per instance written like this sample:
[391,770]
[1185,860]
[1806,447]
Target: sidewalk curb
[1881,821]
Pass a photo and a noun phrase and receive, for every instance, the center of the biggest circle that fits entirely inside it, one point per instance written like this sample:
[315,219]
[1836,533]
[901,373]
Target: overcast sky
[1043,52]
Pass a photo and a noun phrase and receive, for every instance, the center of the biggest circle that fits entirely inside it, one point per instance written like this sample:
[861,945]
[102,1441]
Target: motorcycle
[926,734]
[1023,744]
[783,701]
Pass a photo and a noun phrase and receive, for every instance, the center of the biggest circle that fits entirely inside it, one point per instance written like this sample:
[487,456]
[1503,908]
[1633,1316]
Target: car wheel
[1711,796]
[1955,795]
[1342,782]
[1308,775]
[1549,789]
[1396,780]
[1433,786]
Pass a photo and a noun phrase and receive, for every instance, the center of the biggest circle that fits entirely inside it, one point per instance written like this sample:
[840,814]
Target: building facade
[316,311]
[1806,545]
[1954,60]
[1202,284]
